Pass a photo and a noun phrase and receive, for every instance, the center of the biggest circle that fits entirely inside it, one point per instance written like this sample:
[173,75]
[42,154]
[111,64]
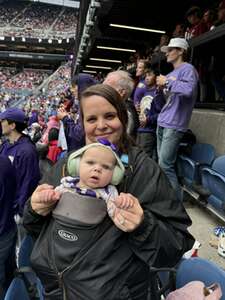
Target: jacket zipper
[61,284]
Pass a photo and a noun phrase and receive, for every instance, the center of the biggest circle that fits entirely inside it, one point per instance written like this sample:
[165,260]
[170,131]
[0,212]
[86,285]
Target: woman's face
[100,120]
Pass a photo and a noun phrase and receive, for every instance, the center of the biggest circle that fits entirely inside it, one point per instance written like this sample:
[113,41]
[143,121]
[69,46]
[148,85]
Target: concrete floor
[202,229]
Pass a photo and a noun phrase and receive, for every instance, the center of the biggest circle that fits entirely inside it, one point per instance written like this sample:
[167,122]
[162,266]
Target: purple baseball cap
[13,114]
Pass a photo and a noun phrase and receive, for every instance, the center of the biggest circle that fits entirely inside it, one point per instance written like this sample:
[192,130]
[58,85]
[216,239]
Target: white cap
[176,43]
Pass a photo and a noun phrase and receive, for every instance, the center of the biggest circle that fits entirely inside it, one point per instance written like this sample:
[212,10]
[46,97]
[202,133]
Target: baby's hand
[124,201]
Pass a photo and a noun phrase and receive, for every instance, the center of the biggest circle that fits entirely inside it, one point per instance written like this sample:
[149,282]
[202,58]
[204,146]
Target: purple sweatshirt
[139,91]
[24,159]
[180,94]
[7,195]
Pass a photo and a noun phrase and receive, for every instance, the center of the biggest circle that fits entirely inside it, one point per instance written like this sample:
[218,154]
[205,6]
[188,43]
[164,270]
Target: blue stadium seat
[25,278]
[17,290]
[25,252]
[213,179]
[188,168]
[201,270]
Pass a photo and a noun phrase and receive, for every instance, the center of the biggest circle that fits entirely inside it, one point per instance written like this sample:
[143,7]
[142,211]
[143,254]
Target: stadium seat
[25,251]
[213,179]
[17,290]
[188,167]
[25,278]
[201,270]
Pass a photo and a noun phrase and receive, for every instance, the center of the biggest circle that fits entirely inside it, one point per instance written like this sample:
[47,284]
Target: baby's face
[96,167]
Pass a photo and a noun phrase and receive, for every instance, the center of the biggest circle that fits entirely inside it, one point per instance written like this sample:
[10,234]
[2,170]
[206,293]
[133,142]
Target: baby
[91,192]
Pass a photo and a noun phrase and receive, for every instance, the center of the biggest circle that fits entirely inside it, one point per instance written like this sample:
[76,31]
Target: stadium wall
[209,127]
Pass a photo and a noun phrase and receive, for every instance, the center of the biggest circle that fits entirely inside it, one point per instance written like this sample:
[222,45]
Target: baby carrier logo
[67,235]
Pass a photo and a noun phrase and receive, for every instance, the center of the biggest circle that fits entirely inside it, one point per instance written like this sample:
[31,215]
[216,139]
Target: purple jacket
[74,133]
[181,94]
[152,114]
[139,91]
[24,159]
[7,195]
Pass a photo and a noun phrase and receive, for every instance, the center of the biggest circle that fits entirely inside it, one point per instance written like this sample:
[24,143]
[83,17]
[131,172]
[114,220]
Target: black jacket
[114,265]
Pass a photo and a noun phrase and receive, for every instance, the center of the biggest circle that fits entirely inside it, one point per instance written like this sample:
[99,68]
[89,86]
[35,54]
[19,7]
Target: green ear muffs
[73,163]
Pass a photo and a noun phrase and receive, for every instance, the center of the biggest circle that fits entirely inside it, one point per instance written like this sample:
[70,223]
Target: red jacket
[53,151]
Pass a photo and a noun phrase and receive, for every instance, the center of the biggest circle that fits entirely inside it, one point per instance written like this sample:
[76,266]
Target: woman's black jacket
[114,265]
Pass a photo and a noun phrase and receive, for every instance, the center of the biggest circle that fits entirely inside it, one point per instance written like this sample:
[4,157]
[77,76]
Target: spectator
[7,224]
[197,26]
[221,14]
[158,61]
[54,150]
[180,89]
[124,85]
[52,123]
[150,106]
[35,133]
[45,164]
[179,30]
[142,65]
[209,18]
[22,153]
[114,263]
[73,129]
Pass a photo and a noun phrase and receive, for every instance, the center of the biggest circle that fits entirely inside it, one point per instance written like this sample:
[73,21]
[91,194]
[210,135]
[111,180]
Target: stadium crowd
[28,21]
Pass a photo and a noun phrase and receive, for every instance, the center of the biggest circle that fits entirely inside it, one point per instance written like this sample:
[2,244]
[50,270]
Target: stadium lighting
[89,71]
[12,38]
[137,28]
[50,41]
[116,49]
[67,40]
[106,60]
[23,39]
[2,38]
[98,67]
[95,4]
[39,40]
[59,41]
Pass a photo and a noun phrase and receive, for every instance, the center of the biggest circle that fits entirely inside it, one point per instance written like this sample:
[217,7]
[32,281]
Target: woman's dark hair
[113,97]
[53,134]
[18,126]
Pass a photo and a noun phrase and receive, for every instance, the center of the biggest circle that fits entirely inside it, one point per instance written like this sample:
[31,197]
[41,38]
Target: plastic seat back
[200,269]
[219,165]
[203,153]
[25,251]
[17,290]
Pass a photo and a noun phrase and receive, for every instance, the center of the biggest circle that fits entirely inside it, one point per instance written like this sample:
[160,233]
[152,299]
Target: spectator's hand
[161,81]
[44,198]
[61,113]
[127,219]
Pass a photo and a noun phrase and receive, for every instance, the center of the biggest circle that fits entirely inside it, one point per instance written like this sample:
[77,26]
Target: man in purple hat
[180,89]
[22,154]
[7,224]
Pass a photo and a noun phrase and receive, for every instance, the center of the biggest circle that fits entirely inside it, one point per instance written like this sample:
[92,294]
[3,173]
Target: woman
[114,262]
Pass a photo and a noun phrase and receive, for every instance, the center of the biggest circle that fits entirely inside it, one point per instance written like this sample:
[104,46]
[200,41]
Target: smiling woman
[111,259]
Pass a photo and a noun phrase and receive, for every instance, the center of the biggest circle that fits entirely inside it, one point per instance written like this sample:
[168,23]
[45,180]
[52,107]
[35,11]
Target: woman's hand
[127,219]
[44,198]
